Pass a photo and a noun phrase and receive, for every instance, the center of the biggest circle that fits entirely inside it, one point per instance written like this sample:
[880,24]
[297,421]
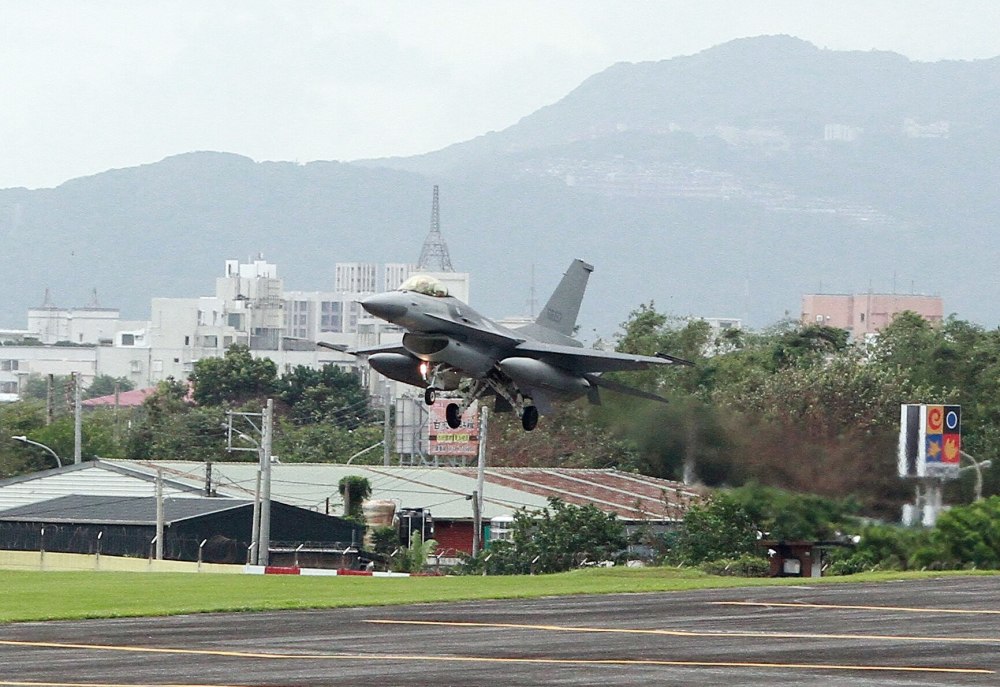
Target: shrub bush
[746,565]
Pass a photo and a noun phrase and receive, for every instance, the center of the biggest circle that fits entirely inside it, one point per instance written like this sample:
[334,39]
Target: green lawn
[68,595]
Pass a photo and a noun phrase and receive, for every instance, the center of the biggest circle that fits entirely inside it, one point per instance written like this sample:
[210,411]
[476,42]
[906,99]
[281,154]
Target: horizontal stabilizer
[674,359]
[623,389]
[577,359]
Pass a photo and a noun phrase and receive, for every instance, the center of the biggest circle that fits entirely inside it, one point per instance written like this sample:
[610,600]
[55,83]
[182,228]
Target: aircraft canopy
[425,284]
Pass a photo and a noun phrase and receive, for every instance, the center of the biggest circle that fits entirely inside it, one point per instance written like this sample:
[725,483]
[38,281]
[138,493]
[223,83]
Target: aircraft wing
[383,348]
[490,335]
[584,360]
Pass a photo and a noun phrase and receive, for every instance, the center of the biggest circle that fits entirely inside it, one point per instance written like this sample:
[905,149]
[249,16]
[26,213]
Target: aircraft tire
[430,393]
[453,415]
[529,419]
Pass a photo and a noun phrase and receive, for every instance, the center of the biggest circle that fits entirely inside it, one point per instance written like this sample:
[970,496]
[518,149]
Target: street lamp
[25,440]
[979,465]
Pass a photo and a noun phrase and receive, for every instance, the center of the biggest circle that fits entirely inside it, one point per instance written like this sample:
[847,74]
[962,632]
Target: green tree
[168,427]
[385,540]
[323,443]
[648,332]
[328,394]
[354,489]
[36,388]
[557,538]
[234,379]
[881,547]
[414,558]
[721,528]
[22,418]
[789,515]
[104,385]
[965,536]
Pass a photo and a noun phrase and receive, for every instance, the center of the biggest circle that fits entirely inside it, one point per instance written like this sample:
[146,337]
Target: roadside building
[444,494]
[867,313]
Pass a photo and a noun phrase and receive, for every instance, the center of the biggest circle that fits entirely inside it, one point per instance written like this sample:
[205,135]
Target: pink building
[867,313]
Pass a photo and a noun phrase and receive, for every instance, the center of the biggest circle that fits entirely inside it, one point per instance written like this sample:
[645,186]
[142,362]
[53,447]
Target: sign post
[930,449]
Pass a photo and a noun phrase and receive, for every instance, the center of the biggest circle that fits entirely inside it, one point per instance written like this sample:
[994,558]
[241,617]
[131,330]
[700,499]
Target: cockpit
[425,284]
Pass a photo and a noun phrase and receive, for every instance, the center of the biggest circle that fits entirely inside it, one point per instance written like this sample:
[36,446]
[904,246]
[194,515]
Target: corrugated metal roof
[126,399]
[630,496]
[309,485]
[114,510]
[444,490]
[97,478]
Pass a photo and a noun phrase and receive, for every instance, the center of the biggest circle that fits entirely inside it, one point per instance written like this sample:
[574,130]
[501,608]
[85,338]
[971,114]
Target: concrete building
[18,362]
[87,325]
[867,313]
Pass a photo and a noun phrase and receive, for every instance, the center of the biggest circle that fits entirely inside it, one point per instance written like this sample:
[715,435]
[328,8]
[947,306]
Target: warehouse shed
[126,526]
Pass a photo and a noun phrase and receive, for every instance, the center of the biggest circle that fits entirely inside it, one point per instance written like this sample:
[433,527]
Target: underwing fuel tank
[443,349]
[402,368]
[531,373]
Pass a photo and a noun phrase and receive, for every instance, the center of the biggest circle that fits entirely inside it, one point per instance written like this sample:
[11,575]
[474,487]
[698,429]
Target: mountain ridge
[725,183]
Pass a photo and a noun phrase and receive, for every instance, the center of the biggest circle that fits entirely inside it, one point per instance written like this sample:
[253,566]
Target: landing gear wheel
[529,418]
[453,414]
[430,393]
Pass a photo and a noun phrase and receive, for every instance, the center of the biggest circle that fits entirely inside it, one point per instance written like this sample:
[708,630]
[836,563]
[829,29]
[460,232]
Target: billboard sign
[445,441]
[930,440]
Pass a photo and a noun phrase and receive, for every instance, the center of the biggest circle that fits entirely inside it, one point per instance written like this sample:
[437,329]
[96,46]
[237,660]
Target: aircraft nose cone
[384,306]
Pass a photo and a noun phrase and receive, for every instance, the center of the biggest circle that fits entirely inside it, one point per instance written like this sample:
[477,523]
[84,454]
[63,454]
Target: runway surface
[931,632]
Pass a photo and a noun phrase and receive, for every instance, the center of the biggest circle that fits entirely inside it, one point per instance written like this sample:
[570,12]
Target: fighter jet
[449,347]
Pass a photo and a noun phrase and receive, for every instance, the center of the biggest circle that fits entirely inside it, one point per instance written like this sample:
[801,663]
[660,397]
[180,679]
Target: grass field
[30,595]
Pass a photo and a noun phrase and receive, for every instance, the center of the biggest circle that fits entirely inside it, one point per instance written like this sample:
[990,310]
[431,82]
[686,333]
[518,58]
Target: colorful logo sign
[930,440]
[933,439]
[951,435]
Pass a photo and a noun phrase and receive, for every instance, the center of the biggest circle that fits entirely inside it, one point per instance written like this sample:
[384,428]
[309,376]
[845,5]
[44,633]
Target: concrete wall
[37,560]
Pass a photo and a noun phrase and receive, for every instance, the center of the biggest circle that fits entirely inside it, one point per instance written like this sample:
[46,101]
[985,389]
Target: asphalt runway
[934,632]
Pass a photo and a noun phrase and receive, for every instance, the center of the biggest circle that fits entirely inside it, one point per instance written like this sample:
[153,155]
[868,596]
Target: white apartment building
[250,307]
[356,277]
[18,361]
[89,324]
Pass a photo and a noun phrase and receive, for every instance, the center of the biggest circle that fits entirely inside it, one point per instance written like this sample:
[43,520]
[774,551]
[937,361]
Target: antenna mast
[434,255]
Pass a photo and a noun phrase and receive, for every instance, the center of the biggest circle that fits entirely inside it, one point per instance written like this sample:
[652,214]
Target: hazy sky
[89,86]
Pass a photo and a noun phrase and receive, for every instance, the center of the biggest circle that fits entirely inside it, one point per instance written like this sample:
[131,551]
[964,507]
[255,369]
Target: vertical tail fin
[560,312]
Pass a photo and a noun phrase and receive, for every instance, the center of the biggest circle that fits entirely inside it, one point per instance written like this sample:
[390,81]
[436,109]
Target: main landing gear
[529,418]
[453,411]
[453,415]
[524,406]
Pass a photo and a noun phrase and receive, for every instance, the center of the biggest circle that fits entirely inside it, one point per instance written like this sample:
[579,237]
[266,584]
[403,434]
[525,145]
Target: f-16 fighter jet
[449,347]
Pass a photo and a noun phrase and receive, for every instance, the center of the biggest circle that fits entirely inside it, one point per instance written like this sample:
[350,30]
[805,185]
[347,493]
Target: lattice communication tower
[434,255]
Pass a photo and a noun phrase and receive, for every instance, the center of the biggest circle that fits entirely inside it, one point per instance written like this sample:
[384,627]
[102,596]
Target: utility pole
[261,527]
[159,514]
[255,522]
[208,477]
[117,424]
[49,404]
[477,522]
[77,420]
[386,430]
[477,508]
[267,429]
